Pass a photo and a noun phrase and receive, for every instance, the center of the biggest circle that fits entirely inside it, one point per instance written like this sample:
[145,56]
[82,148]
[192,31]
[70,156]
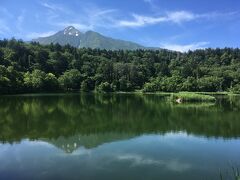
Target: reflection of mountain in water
[54,116]
[70,144]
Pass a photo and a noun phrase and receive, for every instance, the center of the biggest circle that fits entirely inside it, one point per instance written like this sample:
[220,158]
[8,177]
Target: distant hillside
[90,39]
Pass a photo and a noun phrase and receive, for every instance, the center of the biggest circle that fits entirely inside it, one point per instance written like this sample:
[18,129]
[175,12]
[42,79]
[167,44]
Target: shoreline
[122,92]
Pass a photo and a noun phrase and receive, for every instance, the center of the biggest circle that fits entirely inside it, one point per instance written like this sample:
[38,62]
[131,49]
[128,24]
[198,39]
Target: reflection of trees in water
[67,115]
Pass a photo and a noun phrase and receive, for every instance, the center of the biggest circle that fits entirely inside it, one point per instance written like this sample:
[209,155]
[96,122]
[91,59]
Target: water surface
[90,136]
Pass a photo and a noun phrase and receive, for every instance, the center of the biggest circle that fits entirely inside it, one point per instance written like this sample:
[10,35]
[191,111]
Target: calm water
[105,137]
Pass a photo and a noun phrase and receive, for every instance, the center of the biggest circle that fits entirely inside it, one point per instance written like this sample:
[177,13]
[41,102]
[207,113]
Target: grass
[192,97]
[194,105]
[234,174]
[214,93]
[185,96]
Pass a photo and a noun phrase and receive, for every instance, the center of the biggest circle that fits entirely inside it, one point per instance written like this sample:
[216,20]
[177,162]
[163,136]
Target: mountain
[90,39]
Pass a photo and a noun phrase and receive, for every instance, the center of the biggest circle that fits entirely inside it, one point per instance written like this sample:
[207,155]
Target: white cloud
[55,11]
[104,12]
[214,15]
[88,17]
[46,5]
[94,17]
[34,35]
[186,47]
[54,7]
[175,17]
[91,17]
[141,21]
[180,16]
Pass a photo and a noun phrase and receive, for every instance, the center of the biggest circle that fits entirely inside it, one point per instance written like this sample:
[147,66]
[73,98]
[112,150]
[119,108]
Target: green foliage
[105,87]
[39,81]
[4,80]
[125,85]
[71,79]
[88,85]
[51,82]
[35,80]
[36,68]
[189,84]
[236,89]
[210,84]
[150,87]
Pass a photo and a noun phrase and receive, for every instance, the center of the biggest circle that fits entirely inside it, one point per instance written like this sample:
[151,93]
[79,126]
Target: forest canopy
[31,67]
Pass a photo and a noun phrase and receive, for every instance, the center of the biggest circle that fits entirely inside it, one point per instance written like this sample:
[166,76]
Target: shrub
[105,87]
[235,89]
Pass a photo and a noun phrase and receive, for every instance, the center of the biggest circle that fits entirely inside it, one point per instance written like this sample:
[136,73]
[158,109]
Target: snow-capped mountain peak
[71,31]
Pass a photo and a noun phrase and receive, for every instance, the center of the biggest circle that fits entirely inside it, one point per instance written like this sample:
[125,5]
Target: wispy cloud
[141,21]
[177,17]
[91,16]
[49,6]
[104,12]
[186,47]
[95,16]
[53,7]
[222,15]
[180,16]
[34,35]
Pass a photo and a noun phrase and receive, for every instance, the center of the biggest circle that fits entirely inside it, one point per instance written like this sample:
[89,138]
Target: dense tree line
[31,67]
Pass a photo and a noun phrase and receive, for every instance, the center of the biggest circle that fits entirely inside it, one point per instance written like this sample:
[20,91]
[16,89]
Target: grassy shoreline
[182,97]
[140,92]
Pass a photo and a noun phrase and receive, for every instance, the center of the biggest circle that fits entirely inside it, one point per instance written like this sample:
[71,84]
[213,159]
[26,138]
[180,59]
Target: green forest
[32,68]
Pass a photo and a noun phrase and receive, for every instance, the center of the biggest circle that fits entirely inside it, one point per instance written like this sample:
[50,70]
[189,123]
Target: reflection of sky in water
[154,156]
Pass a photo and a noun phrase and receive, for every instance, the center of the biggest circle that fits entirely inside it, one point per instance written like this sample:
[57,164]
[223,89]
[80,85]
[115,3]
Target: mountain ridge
[90,39]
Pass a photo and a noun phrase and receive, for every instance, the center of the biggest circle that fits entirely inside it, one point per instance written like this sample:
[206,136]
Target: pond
[117,136]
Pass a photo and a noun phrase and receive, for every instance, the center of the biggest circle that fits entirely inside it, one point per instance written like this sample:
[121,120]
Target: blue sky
[172,24]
